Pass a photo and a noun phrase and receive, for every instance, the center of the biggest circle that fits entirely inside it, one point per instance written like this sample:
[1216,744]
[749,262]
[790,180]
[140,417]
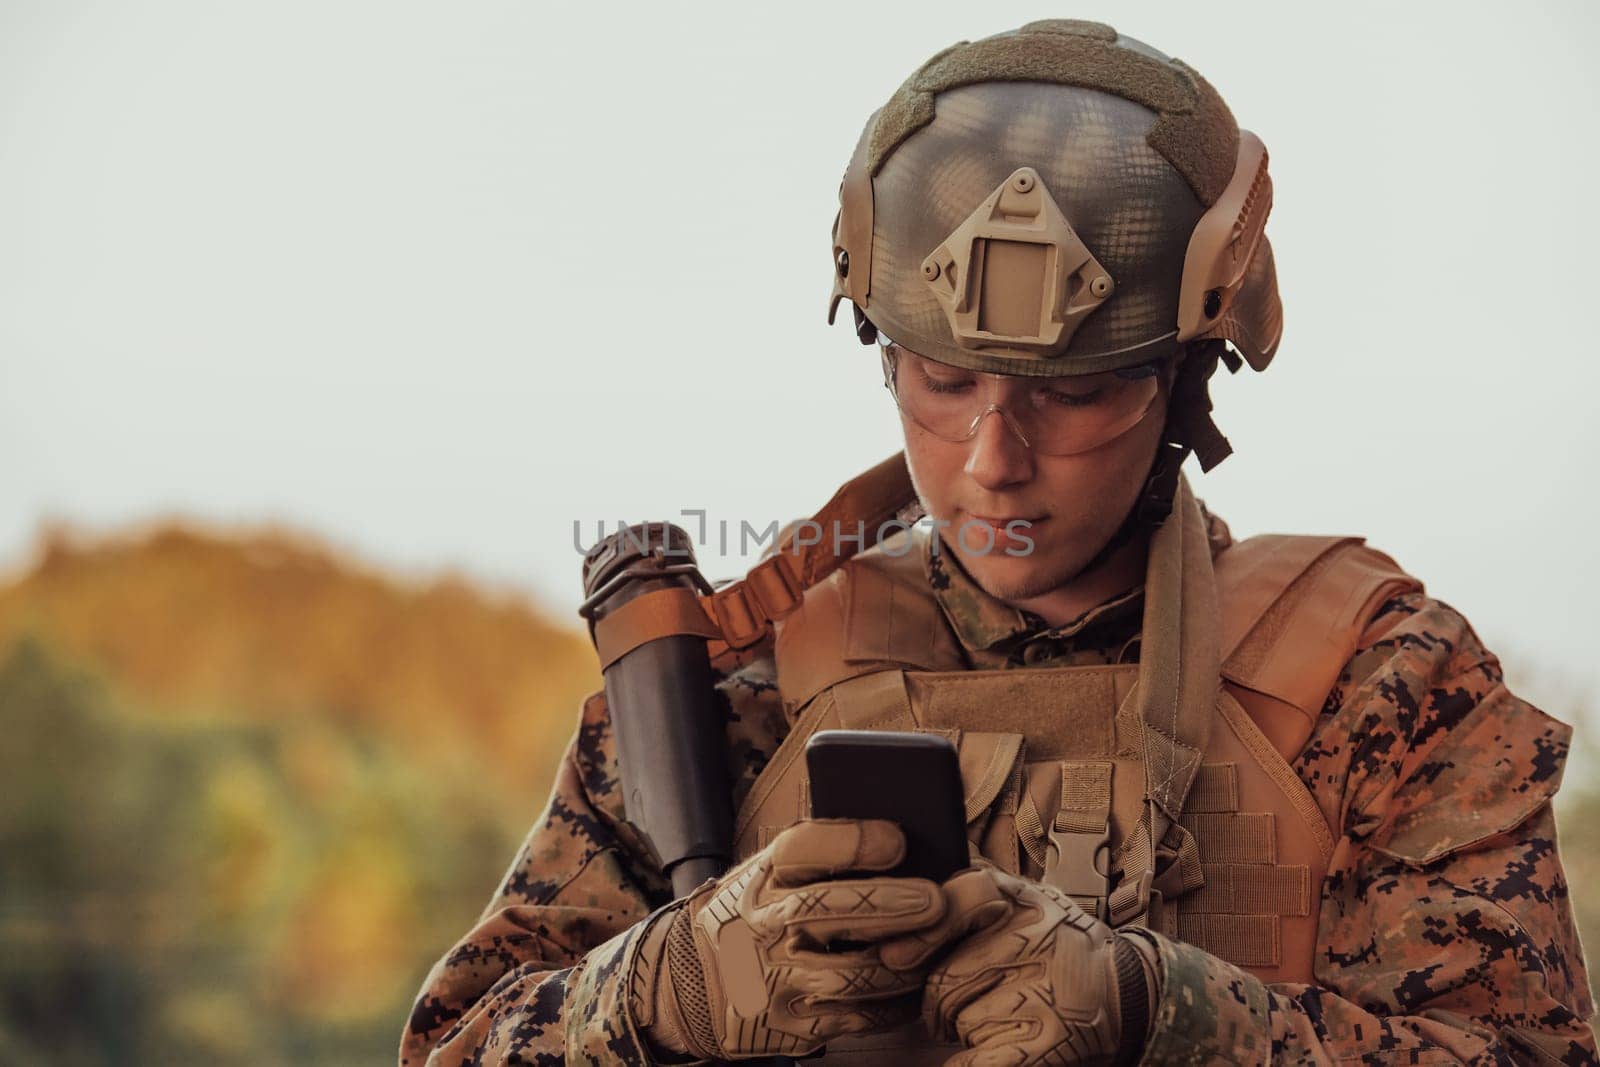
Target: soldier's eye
[1073,399]
[944,385]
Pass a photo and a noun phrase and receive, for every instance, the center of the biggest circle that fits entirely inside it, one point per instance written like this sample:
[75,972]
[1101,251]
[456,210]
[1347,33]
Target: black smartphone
[909,778]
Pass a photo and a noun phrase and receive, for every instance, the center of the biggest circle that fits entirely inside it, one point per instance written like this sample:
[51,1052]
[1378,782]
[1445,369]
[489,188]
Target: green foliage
[182,892]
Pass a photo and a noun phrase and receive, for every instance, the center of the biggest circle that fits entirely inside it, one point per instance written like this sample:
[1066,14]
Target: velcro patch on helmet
[1194,130]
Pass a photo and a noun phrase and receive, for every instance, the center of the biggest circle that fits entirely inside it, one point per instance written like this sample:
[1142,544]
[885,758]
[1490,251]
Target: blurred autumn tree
[250,791]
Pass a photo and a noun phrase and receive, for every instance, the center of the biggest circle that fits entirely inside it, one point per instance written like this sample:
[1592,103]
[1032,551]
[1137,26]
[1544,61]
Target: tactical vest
[1158,794]
[1056,763]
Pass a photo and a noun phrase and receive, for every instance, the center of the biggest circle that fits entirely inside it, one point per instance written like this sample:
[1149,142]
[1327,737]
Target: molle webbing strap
[1251,889]
[1244,940]
[741,613]
[1215,789]
[1085,796]
[1235,837]
[1282,775]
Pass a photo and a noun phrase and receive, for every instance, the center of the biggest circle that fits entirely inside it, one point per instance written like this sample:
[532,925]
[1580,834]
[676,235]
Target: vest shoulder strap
[1293,611]
[737,620]
[872,613]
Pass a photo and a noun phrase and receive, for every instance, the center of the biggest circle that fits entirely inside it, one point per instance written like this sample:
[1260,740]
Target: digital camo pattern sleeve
[1446,934]
[540,979]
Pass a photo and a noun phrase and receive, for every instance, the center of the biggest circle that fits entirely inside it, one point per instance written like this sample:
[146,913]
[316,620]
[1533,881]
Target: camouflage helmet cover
[1058,199]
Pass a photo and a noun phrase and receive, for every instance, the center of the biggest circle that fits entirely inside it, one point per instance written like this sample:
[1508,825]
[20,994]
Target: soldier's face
[1072,504]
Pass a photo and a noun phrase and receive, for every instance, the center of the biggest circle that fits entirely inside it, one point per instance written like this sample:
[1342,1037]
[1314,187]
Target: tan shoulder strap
[1175,698]
[892,612]
[863,505]
[1293,610]
[741,614]
[1252,574]
[874,613]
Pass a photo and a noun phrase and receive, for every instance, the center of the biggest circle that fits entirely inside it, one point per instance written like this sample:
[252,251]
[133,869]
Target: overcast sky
[434,281]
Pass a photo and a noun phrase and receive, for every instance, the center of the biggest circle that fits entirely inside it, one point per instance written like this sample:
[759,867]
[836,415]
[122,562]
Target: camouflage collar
[982,623]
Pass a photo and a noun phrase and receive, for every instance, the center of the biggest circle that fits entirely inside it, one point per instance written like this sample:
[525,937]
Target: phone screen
[909,778]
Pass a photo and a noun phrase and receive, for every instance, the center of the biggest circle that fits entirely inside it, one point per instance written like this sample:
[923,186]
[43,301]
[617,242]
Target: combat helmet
[1063,199]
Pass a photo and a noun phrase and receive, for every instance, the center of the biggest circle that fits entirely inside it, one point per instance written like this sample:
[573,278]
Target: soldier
[1235,802]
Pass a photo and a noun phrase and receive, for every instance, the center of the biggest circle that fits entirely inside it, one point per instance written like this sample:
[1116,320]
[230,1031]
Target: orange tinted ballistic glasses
[1060,416]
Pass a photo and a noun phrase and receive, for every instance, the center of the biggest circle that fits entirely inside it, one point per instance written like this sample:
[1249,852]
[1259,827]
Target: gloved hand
[740,967]
[1047,983]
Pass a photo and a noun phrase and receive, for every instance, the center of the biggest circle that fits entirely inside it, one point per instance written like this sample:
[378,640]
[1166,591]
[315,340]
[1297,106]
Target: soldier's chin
[1012,578]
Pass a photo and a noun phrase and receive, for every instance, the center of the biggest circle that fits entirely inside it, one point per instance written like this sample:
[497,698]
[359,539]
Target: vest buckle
[1079,866]
[1079,858]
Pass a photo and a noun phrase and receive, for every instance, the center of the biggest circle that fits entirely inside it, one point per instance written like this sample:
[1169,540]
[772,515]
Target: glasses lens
[1058,416]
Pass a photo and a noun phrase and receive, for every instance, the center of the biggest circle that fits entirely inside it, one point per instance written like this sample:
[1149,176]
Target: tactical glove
[741,967]
[1048,983]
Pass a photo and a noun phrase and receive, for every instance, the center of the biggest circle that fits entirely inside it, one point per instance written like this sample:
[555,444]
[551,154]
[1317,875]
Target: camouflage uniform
[1446,933]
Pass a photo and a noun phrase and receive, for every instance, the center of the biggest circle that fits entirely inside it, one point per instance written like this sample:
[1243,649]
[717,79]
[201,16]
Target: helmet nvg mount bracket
[1014,275]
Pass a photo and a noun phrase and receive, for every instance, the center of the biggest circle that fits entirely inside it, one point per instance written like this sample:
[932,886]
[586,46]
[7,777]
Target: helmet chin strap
[1189,428]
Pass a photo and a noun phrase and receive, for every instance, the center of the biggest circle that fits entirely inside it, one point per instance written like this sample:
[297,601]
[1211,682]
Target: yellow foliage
[275,624]
[293,779]
[348,951]
[244,839]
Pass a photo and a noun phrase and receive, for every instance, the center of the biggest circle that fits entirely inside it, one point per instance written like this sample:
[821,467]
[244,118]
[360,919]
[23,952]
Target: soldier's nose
[998,456]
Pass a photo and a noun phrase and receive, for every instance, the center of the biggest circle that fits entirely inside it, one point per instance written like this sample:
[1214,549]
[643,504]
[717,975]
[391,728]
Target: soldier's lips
[1003,533]
[1000,522]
